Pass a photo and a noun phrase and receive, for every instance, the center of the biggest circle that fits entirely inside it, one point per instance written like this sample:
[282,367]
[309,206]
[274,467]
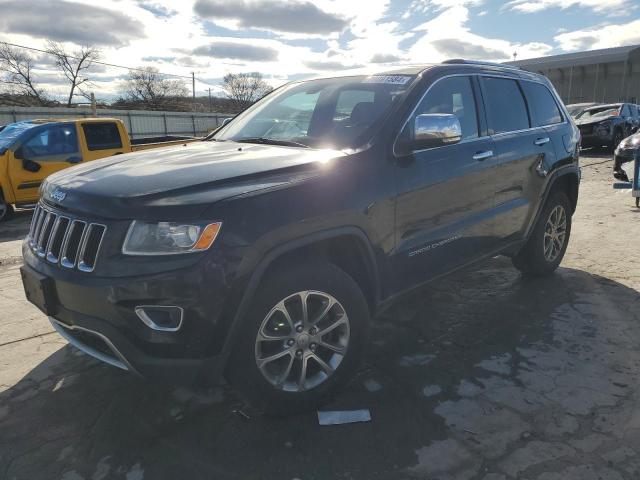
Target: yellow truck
[32,150]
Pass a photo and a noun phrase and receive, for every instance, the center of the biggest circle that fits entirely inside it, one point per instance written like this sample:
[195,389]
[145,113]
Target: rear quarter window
[505,104]
[544,109]
[102,136]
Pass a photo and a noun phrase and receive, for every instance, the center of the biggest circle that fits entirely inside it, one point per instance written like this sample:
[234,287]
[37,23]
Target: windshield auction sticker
[388,79]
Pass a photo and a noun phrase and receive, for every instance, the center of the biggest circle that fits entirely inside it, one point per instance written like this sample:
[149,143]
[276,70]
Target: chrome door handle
[483,155]
[542,141]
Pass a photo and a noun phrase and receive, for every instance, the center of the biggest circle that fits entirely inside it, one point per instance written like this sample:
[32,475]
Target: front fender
[252,271]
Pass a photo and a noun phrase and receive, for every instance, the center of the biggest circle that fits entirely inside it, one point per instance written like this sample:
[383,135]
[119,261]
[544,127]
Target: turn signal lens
[207,237]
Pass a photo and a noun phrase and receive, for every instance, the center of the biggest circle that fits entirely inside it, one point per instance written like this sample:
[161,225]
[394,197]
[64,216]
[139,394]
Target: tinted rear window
[102,136]
[505,105]
[544,109]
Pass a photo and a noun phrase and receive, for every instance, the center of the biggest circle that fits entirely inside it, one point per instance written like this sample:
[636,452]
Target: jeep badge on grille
[58,195]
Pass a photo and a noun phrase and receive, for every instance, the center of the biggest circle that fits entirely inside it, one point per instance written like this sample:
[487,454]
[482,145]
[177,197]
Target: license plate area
[39,290]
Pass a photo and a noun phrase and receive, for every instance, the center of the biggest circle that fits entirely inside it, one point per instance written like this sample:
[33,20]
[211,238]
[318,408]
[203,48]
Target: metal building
[608,75]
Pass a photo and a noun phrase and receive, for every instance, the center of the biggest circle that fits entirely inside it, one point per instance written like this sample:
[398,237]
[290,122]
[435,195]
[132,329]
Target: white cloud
[447,36]
[528,6]
[604,36]
[174,37]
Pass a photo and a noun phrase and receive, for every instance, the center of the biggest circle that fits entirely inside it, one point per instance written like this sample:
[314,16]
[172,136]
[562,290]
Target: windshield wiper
[271,141]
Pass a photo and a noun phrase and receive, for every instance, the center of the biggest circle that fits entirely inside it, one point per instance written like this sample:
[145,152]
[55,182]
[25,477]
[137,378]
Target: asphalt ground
[483,375]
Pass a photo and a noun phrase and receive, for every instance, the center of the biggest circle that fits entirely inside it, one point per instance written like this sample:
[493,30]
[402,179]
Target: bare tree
[74,66]
[245,88]
[17,69]
[150,88]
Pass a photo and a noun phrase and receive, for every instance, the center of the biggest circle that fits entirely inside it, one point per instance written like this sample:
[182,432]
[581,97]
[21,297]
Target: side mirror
[225,121]
[435,130]
[31,166]
[19,154]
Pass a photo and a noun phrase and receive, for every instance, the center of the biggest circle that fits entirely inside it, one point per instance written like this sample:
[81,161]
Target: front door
[48,149]
[445,194]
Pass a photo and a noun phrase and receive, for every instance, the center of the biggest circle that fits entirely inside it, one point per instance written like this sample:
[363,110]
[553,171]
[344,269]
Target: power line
[190,77]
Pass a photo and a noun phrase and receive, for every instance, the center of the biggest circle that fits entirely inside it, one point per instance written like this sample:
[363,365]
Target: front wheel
[302,340]
[618,136]
[548,242]
[5,210]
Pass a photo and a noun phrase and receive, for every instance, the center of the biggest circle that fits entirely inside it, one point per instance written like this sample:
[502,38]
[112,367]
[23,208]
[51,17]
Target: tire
[271,390]
[541,255]
[618,136]
[6,210]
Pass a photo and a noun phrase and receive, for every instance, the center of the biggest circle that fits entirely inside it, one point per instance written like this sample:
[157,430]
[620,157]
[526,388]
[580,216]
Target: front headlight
[168,238]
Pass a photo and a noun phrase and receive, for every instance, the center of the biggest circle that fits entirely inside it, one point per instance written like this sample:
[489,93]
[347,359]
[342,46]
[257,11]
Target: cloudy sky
[292,39]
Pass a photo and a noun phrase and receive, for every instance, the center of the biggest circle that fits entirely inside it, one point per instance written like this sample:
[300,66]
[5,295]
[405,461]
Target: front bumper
[620,158]
[594,140]
[97,315]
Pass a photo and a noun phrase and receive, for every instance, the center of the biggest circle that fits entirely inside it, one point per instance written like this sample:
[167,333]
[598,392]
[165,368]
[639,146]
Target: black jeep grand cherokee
[262,253]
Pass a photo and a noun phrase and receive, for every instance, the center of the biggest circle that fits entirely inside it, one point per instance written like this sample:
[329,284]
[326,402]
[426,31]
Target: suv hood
[196,174]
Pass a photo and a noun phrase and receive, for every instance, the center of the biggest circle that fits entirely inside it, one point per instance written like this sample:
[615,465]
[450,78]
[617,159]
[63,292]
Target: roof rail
[457,61]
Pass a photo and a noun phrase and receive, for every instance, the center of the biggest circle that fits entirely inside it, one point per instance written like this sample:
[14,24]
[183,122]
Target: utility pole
[210,107]
[193,89]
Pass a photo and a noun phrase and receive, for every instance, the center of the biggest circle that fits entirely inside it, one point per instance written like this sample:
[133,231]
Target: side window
[53,141]
[102,136]
[624,111]
[506,109]
[544,109]
[452,95]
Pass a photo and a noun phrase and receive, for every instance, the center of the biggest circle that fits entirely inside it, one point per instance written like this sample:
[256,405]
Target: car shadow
[16,227]
[71,415]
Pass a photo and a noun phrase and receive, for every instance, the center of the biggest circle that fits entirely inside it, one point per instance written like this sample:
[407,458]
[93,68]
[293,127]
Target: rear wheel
[302,339]
[548,242]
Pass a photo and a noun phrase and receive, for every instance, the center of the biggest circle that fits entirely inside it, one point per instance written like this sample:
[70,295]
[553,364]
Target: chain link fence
[139,123]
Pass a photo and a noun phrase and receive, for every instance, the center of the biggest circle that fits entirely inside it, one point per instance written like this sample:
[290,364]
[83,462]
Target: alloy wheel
[555,233]
[302,341]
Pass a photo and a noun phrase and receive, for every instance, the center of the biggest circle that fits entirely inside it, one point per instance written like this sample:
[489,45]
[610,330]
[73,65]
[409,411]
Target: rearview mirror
[435,130]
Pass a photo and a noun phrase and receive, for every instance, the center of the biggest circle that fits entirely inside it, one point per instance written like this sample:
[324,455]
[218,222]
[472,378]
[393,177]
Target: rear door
[48,149]
[522,149]
[102,139]
[445,194]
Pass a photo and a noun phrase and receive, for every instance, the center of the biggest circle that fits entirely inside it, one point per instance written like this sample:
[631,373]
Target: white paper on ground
[339,417]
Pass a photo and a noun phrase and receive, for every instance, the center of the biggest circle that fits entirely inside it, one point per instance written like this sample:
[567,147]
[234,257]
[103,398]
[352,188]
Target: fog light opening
[160,317]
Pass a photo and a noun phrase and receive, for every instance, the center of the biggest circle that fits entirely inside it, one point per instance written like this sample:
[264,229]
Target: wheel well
[569,185]
[348,252]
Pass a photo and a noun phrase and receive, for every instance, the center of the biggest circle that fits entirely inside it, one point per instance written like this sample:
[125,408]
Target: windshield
[11,132]
[330,113]
[575,109]
[600,112]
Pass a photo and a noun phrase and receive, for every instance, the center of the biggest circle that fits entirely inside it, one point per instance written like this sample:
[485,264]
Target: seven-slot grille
[64,240]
